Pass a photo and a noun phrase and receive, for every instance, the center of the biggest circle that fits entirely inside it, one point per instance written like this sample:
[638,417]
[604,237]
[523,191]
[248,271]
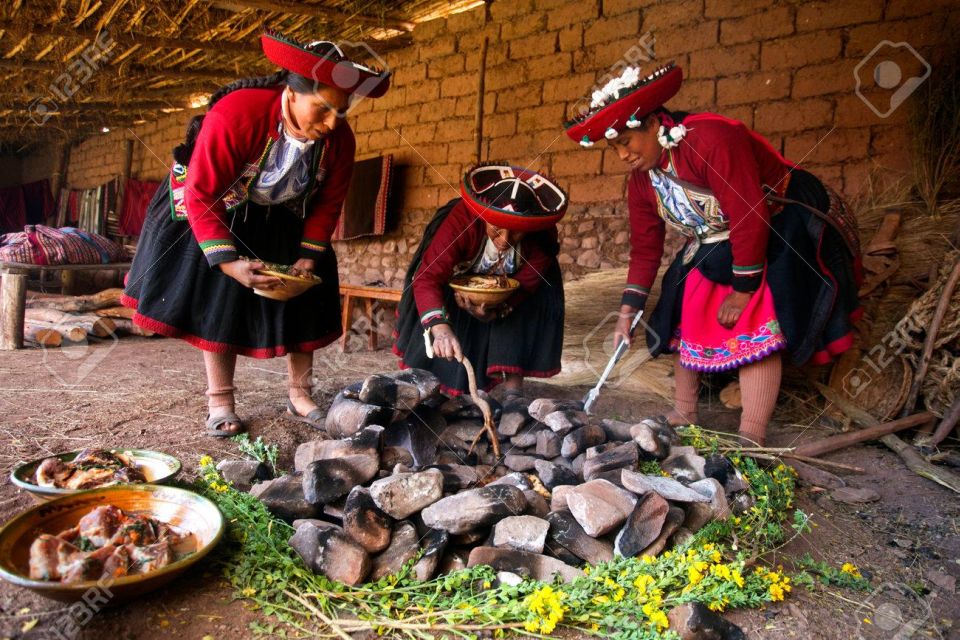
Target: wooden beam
[390,20]
[19,29]
[19,64]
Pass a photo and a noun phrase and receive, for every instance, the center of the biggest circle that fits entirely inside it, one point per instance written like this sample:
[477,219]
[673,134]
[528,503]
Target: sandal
[214,424]
[315,418]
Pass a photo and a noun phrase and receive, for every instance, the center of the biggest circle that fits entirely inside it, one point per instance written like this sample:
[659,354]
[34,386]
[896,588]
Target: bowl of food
[67,473]
[293,283]
[115,542]
[488,290]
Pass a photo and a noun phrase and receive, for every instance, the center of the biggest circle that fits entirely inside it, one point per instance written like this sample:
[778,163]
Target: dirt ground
[142,393]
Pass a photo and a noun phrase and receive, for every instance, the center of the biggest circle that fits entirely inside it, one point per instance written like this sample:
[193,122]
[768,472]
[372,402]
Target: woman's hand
[243,272]
[479,311]
[732,307]
[302,267]
[622,331]
[445,343]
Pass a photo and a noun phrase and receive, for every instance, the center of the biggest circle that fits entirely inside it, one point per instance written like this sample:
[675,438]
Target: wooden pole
[325,13]
[13,295]
[481,81]
[826,445]
[946,425]
[59,177]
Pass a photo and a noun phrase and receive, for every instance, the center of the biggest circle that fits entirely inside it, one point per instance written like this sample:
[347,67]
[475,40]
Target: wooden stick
[912,459]
[946,425]
[126,325]
[481,80]
[826,445]
[93,325]
[13,291]
[930,340]
[41,336]
[824,463]
[115,312]
[484,408]
[71,333]
[100,300]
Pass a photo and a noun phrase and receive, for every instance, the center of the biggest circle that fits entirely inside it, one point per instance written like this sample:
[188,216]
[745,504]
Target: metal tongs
[593,394]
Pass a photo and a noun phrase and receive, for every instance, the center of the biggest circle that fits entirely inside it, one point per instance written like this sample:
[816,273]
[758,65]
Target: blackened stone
[347,416]
[552,475]
[567,533]
[673,522]
[457,477]
[469,538]
[600,506]
[616,430]
[511,422]
[243,474]
[428,384]
[537,505]
[563,422]
[402,495]
[365,522]
[522,563]
[452,561]
[364,442]
[283,497]
[515,479]
[643,526]
[613,477]
[526,533]
[392,456]
[326,480]
[519,462]
[579,440]
[686,467]
[475,508]
[622,456]
[548,444]
[722,470]
[462,407]
[558,497]
[386,391]
[327,550]
[694,621]
[417,433]
[434,543]
[718,497]
[404,546]
[649,442]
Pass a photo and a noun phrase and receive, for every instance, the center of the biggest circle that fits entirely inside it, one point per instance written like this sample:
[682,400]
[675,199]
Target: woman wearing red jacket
[263,174]
[504,224]
[771,262]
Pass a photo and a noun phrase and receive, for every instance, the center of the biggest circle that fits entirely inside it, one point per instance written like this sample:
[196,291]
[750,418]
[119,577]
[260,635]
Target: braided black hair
[298,83]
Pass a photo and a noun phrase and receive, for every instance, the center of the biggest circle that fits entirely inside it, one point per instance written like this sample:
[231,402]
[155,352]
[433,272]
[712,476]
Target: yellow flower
[694,576]
[850,569]
[248,592]
[642,582]
[486,584]
[545,605]
[737,578]
[776,593]
[206,461]
[656,616]
[647,559]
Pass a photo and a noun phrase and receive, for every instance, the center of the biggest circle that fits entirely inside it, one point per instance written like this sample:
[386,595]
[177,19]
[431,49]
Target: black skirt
[527,342]
[177,294]
[811,272]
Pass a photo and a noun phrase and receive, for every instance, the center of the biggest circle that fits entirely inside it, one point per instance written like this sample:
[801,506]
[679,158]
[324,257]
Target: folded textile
[366,207]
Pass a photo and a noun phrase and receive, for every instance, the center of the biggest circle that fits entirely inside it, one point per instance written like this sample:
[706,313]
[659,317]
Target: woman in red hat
[263,174]
[771,262]
[504,224]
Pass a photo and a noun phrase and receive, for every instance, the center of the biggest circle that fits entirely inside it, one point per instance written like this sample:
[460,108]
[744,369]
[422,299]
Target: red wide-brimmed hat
[325,63]
[623,103]
[512,197]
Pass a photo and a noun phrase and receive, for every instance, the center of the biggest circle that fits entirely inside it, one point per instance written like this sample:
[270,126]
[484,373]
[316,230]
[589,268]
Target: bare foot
[677,419]
[302,401]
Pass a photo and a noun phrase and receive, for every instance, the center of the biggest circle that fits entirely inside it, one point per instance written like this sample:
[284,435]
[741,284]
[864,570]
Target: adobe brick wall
[784,67]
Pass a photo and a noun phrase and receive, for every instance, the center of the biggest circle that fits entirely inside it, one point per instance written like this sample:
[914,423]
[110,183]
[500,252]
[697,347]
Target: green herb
[847,576]
[85,544]
[259,450]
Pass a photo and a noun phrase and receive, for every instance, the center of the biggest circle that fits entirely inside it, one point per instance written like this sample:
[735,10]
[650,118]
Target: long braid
[182,152]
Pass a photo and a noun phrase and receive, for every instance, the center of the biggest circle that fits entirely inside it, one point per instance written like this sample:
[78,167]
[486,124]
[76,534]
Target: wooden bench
[354,292]
[13,292]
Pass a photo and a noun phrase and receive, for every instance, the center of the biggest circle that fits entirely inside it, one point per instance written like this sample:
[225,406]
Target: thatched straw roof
[161,56]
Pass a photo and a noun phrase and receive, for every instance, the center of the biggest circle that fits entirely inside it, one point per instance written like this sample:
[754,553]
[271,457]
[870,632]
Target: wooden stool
[352,292]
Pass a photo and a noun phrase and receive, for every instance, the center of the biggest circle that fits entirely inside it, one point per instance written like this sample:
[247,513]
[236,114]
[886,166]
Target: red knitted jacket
[230,147]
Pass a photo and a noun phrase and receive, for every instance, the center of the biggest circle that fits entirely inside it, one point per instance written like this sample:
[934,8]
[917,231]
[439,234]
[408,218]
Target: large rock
[511,422]
[327,550]
[515,479]
[403,494]
[387,391]
[327,480]
[347,416]
[552,475]
[600,506]
[516,462]
[548,444]
[526,533]
[605,458]
[283,497]
[434,544]
[524,439]
[243,474]
[523,563]
[475,508]
[722,470]
[673,522]
[390,457]
[698,514]
[616,430]
[404,546]
[558,496]
[418,434]
[667,487]
[537,505]
[643,526]
[457,477]
[713,490]
[567,533]
[579,440]
[563,422]
[646,438]
[365,442]
[685,467]
[428,384]
[694,621]
[365,522]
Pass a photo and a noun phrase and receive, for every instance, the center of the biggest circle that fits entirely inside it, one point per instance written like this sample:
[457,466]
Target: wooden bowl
[184,510]
[292,285]
[156,466]
[482,295]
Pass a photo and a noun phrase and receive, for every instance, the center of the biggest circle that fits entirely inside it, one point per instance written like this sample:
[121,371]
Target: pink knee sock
[759,386]
[687,389]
